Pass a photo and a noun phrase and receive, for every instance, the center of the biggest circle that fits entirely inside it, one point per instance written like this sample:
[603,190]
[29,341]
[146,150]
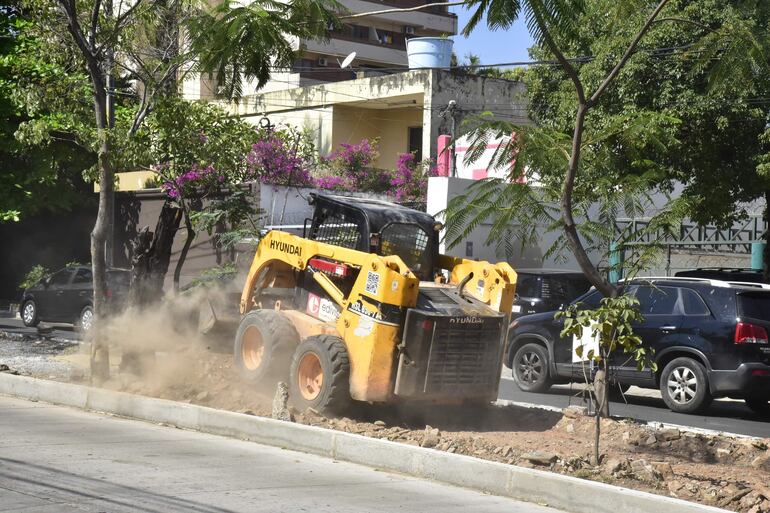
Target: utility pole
[450,110]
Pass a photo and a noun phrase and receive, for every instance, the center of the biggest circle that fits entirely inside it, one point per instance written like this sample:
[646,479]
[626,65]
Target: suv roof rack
[715,283]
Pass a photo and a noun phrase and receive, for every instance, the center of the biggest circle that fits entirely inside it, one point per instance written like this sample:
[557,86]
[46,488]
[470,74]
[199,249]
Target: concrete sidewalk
[56,459]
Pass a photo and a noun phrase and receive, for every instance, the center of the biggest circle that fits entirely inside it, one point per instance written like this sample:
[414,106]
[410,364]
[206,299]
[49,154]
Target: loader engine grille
[450,356]
[462,356]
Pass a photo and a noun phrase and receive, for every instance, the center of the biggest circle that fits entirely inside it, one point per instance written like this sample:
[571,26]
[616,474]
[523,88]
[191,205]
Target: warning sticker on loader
[372,283]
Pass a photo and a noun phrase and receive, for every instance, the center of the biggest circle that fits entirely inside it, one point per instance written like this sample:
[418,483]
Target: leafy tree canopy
[714,145]
[42,102]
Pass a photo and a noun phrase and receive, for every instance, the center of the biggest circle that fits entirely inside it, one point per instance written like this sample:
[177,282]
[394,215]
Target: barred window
[336,230]
[411,243]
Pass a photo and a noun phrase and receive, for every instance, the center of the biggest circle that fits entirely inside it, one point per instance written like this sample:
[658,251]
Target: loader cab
[375,226]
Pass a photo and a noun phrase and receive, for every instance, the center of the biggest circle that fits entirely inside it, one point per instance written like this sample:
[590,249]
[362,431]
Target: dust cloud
[160,351]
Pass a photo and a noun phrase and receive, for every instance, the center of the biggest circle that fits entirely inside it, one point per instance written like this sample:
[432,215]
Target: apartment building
[378,40]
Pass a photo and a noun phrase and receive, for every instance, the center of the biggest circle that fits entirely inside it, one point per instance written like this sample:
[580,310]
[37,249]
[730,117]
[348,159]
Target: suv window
[591,301]
[756,306]
[528,285]
[656,300]
[61,278]
[82,276]
[692,303]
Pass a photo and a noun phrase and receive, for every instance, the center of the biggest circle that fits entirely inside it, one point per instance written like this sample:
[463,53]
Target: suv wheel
[760,405]
[530,368]
[684,386]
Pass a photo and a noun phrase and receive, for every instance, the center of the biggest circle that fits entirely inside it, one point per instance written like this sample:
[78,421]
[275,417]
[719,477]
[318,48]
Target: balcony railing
[440,10]
[386,38]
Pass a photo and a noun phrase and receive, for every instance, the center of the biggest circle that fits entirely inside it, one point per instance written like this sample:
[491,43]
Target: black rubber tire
[688,369]
[759,405]
[278,338]
[332,354]
[80,325]
[34,319]
[530,368]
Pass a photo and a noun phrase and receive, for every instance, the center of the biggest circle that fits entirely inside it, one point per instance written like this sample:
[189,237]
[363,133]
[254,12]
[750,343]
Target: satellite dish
[348,60]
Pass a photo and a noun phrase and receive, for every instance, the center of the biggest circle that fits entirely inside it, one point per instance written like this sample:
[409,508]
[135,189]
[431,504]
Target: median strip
[558,491]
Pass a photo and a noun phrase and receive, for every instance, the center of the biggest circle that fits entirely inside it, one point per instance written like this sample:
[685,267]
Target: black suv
[67,296]
[710,340]
[545,290]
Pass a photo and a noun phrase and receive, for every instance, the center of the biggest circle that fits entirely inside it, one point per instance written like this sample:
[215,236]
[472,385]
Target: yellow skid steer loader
[356,310]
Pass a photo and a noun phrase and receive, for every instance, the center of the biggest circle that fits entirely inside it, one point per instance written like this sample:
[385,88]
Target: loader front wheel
[263,347]
[320,375]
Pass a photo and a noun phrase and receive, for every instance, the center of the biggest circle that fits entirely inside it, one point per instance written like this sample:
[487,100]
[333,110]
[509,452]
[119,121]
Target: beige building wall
[391,127]
[352,124]
[394,127]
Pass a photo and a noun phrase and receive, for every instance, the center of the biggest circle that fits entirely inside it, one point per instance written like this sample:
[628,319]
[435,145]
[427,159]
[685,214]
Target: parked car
[710,339]
[545,290]
[67,296]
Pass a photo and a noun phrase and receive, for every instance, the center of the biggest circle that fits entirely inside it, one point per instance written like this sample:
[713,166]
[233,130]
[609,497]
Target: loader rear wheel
[263,346]
[320,375]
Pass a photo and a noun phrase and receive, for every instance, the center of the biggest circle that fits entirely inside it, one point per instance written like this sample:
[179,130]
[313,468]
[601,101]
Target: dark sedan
[67,296]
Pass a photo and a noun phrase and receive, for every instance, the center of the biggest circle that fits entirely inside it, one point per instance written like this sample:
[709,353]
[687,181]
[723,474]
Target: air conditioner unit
[322,61]
[409,30]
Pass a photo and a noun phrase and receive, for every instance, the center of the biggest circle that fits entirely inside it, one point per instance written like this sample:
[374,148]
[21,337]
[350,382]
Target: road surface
[723,415]
[57,460]
[62,331]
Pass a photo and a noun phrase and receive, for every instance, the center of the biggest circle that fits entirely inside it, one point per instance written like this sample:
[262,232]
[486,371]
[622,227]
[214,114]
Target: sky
[491,47]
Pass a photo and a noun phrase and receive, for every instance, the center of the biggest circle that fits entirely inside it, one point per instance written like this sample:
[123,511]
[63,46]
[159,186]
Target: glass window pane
[692,303]
[82,276]
[61,278]
[657,300]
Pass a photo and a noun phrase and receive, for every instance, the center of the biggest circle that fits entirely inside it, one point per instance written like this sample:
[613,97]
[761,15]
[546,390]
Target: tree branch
[124,16]
[92,63]
[629,51]
[94,22]
[556,51]
[683,20]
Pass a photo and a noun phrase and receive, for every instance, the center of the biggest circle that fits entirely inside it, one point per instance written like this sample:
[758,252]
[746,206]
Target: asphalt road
[15,325]
[723,415]
[58,460]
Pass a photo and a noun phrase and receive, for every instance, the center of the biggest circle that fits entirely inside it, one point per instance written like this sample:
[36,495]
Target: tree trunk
[602,405]
[151,257]
[100,354]
[766,252]
[187,243]
[151,254]
[570,228]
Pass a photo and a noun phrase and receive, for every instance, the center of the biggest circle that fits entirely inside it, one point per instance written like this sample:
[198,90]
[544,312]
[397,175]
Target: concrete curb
[558,491]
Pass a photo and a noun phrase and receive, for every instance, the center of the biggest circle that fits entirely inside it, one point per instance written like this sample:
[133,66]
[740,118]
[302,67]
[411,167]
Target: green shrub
[37,273]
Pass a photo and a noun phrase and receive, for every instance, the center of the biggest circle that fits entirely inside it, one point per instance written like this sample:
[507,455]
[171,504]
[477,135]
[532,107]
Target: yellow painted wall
[130,180]
[391,126]
[395,125]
